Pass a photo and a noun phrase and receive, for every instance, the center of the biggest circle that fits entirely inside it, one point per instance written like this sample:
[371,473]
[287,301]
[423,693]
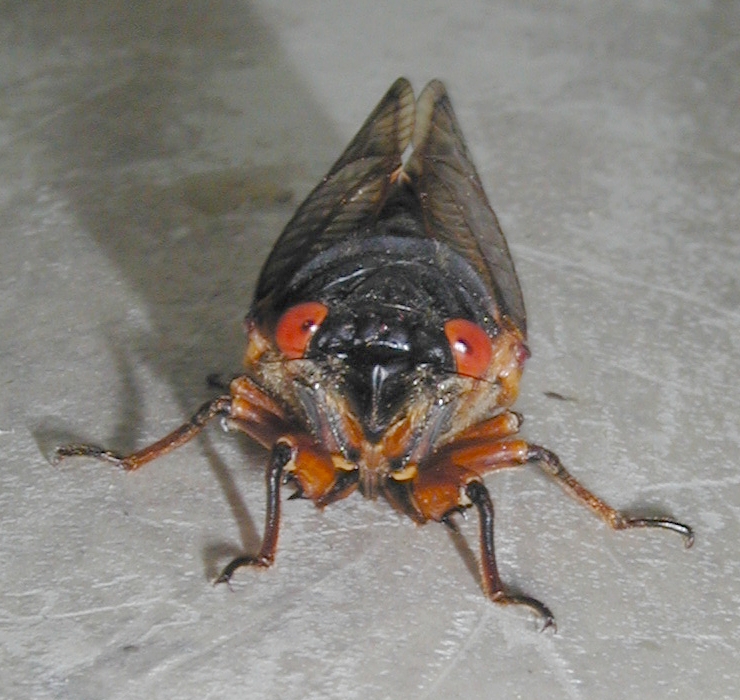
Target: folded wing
[350,198]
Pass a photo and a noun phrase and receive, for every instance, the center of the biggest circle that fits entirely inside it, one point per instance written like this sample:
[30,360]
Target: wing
[349,196]
[455,207]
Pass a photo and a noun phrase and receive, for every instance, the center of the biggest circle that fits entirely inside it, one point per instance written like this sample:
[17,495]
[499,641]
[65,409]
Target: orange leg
[297,457]
[550,464]
[293,455]
[444,488]
[461,464]
[503,425]
[315,474]
[483,448]
[220,406]
[482,456]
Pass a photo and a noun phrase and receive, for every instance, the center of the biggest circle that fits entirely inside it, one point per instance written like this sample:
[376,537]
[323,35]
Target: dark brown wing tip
[398,103]
[433,93]
[387,131]
[402,94]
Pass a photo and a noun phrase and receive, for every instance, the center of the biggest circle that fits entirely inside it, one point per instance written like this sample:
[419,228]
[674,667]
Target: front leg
[451,481]
[319,475]
[487,447]
[248,406]
[282,454]
[298,458]
[443,488]
[492,584]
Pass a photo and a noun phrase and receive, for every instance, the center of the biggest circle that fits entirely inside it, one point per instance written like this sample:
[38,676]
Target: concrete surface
[150,153]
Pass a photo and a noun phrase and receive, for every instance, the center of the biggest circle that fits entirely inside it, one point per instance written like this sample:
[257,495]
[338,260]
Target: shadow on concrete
[179,150]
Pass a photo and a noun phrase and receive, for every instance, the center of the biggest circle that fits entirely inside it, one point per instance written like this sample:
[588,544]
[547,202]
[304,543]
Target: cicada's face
[383,358]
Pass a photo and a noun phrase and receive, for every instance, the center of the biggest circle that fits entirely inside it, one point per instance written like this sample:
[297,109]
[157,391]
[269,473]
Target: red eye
[297,326]
[471,347]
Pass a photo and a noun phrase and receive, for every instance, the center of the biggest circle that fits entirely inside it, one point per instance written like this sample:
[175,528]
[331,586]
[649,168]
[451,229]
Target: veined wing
[347,199]
[455,207]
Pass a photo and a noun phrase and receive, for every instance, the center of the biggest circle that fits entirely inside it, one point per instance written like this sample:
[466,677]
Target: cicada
[386,341]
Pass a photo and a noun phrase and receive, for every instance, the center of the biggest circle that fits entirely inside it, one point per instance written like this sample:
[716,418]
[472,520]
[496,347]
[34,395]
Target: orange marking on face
[311,467]
[256,345]
[397,438]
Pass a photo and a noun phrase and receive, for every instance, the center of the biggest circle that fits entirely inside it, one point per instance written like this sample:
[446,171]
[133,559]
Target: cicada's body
[388,319]
[387,338]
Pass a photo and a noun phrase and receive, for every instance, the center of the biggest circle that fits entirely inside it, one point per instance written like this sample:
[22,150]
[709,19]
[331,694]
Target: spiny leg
[551,464]
[492,584]
[281,455]
[220,406]
[483,456]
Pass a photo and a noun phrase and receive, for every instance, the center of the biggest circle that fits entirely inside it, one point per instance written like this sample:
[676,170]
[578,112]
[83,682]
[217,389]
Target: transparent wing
[349,196]
[455,207]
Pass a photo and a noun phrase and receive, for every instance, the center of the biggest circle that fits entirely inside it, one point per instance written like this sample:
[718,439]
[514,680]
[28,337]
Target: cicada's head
[395,341]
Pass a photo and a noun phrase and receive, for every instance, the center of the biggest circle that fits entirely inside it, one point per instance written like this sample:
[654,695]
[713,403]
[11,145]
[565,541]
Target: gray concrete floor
[150,153]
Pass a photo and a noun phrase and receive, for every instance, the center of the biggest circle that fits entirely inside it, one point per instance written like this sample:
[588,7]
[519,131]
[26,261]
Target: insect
[386,341]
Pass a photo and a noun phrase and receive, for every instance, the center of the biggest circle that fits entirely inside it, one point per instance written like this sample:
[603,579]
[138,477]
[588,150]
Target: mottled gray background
[149,155]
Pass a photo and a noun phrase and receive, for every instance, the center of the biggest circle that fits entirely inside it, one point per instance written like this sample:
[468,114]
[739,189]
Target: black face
[384,349]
